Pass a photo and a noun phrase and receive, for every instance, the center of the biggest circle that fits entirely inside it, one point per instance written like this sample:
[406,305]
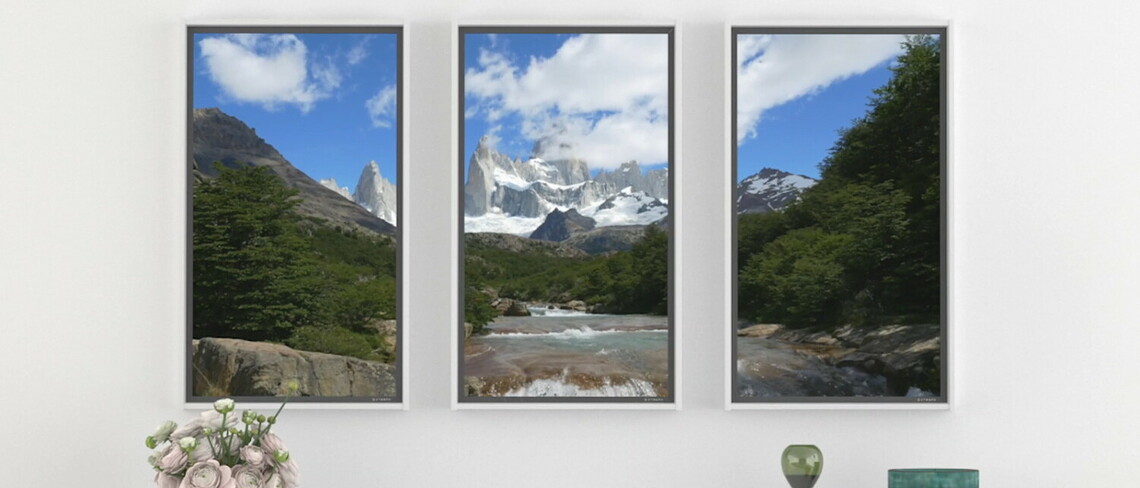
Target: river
[557,353]
[771,368]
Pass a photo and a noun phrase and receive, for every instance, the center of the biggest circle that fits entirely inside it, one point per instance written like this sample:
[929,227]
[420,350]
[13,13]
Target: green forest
[262,272]
[627,282]
[863,245]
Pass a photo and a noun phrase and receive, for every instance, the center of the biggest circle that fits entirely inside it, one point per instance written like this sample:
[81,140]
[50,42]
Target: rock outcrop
[518,244]
[234,367]
[606,239]
[560,225]
[906,355]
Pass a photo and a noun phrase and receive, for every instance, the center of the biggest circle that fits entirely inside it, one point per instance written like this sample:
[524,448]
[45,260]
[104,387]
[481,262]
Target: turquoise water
[574,354]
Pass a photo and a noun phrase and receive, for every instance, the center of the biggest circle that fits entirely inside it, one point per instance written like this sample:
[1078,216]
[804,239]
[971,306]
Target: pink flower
[253,455]
[208,474]
[273,481]
[173,461]
[163,480]
[271,443]
[290,476]
[248,476]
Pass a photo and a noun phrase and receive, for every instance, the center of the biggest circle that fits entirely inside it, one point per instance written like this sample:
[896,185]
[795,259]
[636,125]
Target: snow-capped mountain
[514,196]
[375,193]
[770,190]
[628,207]
[332,185]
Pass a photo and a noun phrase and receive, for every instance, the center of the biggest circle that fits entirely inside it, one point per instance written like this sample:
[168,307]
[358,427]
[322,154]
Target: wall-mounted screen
[294,176]
[839,206]
[566,225]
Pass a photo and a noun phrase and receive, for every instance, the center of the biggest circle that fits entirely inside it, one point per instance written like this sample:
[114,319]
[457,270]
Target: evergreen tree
[254,276]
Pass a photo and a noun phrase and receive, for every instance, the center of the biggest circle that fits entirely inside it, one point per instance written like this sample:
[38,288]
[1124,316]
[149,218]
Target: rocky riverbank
[908,356]
[233,367]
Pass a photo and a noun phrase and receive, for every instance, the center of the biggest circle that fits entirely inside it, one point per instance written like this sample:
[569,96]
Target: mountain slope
[219,137]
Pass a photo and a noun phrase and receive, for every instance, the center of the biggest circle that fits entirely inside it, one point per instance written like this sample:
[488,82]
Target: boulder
[576,305]
[510,307]
[759,330]
[234,367]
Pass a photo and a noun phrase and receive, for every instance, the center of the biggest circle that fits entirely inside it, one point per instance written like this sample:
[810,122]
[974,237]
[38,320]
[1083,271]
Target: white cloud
[358,52]
[776,69]
[267,69]
[382,107]
[604,95]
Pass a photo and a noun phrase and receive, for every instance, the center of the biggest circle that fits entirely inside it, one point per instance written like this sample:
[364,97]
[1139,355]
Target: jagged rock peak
[376,193]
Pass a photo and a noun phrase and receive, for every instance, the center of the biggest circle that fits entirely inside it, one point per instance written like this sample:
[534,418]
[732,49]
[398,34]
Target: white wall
[1045,228]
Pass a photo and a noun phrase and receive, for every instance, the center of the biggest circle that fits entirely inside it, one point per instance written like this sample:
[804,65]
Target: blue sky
[795,92]
[605,96]
[325,101]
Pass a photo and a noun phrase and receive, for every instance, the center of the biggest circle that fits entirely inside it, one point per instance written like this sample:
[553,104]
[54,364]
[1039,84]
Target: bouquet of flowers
[213,451]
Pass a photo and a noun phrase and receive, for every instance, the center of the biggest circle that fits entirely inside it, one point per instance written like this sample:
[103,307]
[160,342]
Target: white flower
[208,474]
[248,476]
[253,455]
[224,405]
[162,432]
[188,443]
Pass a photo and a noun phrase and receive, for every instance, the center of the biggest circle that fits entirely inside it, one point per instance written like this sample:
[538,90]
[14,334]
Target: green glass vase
[802,465]
[932,478]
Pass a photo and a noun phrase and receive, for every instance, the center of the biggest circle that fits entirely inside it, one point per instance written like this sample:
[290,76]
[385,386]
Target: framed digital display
[295,208]
[566,216]
[838,216]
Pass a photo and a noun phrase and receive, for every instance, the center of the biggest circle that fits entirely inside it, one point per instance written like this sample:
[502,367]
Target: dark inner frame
[400,213]
[944,397]
[669,31]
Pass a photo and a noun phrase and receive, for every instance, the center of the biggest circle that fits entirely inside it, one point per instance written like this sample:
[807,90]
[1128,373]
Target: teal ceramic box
[932,478]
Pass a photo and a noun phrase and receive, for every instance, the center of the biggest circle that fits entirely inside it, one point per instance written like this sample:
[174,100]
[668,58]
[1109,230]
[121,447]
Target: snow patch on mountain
[628,207]
[770,190]
[501,223]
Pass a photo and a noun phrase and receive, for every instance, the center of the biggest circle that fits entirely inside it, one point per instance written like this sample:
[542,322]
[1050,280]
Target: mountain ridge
[220,137]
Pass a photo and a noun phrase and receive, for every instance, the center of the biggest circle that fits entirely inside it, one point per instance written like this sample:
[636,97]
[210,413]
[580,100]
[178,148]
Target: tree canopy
[864,244]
